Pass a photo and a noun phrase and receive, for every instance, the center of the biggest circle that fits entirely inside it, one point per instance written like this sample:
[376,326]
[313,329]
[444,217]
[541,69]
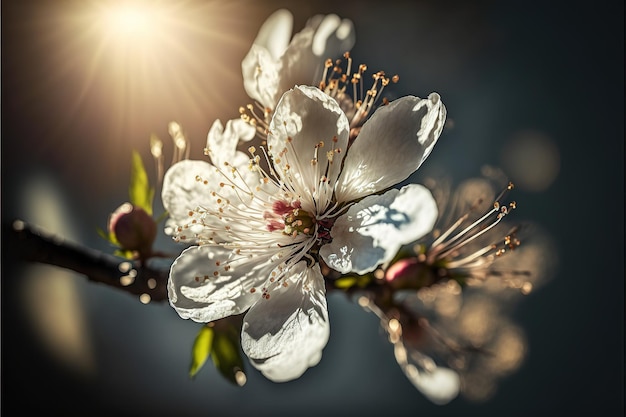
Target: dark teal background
[557,67]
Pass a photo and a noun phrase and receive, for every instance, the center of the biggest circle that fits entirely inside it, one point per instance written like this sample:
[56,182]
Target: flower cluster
[315,205]
[445,301]
[261,224]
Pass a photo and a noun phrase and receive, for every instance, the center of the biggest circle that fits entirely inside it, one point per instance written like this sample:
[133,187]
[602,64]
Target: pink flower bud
[409,273]
[134,229]
[401,269]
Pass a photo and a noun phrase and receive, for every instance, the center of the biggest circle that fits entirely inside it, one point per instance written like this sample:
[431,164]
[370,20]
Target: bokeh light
[532,160]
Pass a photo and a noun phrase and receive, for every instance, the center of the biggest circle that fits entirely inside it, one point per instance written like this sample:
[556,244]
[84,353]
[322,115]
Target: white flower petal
[275,33]
[190,184]
[284,335]
[304,117]
[261,73]
[261,66]
[440,385]
[298,65]
[274,65]
[333,36]
[222,142]
[198,294]
[181,192]
[325,36]
[391,145]
[372,230]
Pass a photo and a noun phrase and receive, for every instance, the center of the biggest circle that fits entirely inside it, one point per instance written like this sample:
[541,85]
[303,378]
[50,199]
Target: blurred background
[534,87]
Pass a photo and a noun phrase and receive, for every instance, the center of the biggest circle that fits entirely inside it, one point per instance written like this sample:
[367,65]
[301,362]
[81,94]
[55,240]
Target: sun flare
[140,64]
[135,24]
[129,20]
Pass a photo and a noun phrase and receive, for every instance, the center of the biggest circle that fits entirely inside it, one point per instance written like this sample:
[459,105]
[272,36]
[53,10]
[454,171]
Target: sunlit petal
[274,65]
[372,230]
[325,36]
[201,290]
[284,335]
[222,141]
[392,144]
[306,126]
[275,33]
[261,66]
[181,191]
[261,76]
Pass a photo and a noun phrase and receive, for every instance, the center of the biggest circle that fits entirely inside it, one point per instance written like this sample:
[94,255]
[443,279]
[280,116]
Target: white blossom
[275,63]
[259,226]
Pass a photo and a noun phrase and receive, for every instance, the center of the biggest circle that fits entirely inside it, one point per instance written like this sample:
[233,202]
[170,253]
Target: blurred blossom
[439,384]
[532,159]
[261,223]
[445,303]
[489,250]
[476,337]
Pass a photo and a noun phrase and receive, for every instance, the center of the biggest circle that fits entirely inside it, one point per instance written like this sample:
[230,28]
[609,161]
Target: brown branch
[27,243]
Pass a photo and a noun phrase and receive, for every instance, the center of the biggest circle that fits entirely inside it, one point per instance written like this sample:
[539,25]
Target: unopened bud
[409,273]
[134,229]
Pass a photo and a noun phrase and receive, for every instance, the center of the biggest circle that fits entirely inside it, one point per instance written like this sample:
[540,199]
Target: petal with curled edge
[261,66]
[325,36]
[222,141]
[197,293]
[333,35]
[372,230]
[304,117]
[391,145]
[284,335]
[275,33]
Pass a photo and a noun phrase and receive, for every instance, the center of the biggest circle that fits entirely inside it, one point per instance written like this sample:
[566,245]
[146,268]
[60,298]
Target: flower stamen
[363,101]
[251,117]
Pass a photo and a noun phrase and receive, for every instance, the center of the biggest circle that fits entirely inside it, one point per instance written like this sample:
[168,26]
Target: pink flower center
[290,218]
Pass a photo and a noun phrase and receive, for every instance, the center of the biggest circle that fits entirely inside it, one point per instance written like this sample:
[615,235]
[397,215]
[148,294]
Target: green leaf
[226,354]
[201,349]
[128,254]
[350,281]
[345,282]
[140,192]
